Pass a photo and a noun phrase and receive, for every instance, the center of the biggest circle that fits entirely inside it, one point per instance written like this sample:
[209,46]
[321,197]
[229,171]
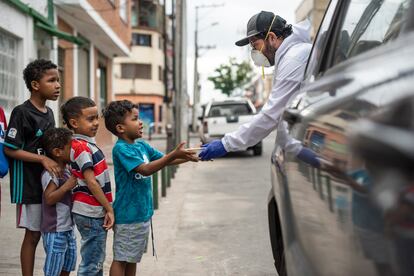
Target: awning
[43,23]
[55,32]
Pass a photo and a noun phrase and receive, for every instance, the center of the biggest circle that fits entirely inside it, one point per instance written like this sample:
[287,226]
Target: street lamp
[196,91]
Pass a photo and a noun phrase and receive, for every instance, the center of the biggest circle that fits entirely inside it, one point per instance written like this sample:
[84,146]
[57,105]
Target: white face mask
[259,58]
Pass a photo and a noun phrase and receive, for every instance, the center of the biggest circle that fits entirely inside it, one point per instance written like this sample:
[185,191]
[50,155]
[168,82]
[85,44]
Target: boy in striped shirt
[92,198]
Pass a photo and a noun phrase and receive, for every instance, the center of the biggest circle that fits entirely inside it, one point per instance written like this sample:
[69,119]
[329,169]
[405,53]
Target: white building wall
[39,5]
[20,26]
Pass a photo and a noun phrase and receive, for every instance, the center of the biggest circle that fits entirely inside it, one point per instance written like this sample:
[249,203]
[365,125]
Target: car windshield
[219,110]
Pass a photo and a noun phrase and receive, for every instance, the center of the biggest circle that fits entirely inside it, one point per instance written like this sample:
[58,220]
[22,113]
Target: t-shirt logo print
[39,133]
[12,133]
[139,176]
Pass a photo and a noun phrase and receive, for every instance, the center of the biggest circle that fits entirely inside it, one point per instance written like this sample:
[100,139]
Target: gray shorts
[29,216]
[130,241]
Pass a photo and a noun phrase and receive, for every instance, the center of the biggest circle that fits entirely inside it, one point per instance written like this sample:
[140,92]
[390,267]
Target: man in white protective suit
[287,48]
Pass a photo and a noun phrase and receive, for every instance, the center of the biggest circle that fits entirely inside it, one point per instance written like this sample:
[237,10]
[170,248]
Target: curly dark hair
[55,138]
[72,108]
[35,70]
[115,112]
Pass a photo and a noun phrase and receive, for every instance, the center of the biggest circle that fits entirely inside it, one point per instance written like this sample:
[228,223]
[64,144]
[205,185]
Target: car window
[229,109]
[315,59]
[368,24]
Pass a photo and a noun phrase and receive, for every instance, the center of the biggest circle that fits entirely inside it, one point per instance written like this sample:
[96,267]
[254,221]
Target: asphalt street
[214,219]
[212,222]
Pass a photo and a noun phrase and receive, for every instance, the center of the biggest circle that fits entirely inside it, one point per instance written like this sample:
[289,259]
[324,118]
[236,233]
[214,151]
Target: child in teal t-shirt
[134,163]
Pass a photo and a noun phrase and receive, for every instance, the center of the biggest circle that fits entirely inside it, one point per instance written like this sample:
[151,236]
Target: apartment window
[160,113]
[148,14]
[102,86]
[123,10]
[160,73]
[136,71]
[134,13]
[83,72]
[61,69]
[8,71]
[160,43]
[141,39]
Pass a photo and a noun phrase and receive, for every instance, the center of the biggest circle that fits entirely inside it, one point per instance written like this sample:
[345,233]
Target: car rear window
[219,110]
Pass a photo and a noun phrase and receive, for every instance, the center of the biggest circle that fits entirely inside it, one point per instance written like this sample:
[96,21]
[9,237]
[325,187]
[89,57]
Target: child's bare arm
[50,165]
[53,194]
[154,166]
[97,192]
[180,161]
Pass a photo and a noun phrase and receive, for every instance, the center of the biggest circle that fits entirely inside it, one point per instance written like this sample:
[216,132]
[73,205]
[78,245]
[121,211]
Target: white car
[221,117]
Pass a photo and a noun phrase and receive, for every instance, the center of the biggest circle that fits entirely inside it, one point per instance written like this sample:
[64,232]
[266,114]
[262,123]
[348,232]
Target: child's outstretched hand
[181,153]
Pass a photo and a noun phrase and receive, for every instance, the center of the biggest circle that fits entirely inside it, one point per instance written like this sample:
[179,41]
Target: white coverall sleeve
[287,142]
[288,79]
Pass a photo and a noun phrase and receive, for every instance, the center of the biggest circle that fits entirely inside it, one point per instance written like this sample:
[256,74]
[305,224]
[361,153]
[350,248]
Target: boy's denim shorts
[130,241]
[60,248]
[93,244]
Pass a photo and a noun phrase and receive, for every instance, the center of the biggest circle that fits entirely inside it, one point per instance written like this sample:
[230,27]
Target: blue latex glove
[308,156]
[212,150]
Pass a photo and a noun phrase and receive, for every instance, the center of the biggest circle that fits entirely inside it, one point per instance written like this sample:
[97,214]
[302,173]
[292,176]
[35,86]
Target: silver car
[353,214]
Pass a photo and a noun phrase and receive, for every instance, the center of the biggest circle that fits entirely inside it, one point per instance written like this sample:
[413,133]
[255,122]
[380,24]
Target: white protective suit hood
[300,34]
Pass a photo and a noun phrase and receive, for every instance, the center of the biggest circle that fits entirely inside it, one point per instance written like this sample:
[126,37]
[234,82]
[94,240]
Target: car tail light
[205,127]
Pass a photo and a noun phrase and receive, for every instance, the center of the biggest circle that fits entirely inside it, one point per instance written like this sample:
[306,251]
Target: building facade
[140,77]
[314,11]
[81,36]
[87,70]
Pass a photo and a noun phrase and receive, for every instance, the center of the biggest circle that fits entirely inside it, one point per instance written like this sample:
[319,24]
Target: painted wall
[110,13]
[20,26]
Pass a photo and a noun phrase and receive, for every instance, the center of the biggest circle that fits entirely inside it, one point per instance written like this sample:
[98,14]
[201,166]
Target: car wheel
[257,150]
[276,238]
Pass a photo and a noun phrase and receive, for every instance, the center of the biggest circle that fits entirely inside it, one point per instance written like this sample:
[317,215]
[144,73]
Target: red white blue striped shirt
[86,155]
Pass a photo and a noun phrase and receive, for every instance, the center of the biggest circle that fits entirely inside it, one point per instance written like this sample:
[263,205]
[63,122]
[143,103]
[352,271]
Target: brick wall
[110,13]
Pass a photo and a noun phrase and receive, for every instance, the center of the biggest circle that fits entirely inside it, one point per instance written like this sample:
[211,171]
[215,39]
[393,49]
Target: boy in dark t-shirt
[27,124]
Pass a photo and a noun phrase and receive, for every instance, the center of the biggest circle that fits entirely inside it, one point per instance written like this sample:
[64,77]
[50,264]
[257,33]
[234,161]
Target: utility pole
[168,79]
[196,86]
[180,103]
[196,93]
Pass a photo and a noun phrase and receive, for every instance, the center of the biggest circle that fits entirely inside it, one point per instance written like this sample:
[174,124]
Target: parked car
[221,117]
[354,214]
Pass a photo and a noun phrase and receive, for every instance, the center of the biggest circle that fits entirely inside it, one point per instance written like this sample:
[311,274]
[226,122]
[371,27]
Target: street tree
[232,75]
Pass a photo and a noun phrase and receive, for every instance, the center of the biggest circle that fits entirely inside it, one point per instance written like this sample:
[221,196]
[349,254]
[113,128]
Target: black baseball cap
[260,23]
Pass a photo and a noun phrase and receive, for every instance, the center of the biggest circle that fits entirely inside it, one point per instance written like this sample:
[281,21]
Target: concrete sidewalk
[11,238]
[212,222]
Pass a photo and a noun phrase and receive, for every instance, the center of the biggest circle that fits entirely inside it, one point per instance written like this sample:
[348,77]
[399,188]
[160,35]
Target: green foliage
[227,77]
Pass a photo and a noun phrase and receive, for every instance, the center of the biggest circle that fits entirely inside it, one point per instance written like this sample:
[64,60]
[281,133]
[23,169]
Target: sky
[232,19]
